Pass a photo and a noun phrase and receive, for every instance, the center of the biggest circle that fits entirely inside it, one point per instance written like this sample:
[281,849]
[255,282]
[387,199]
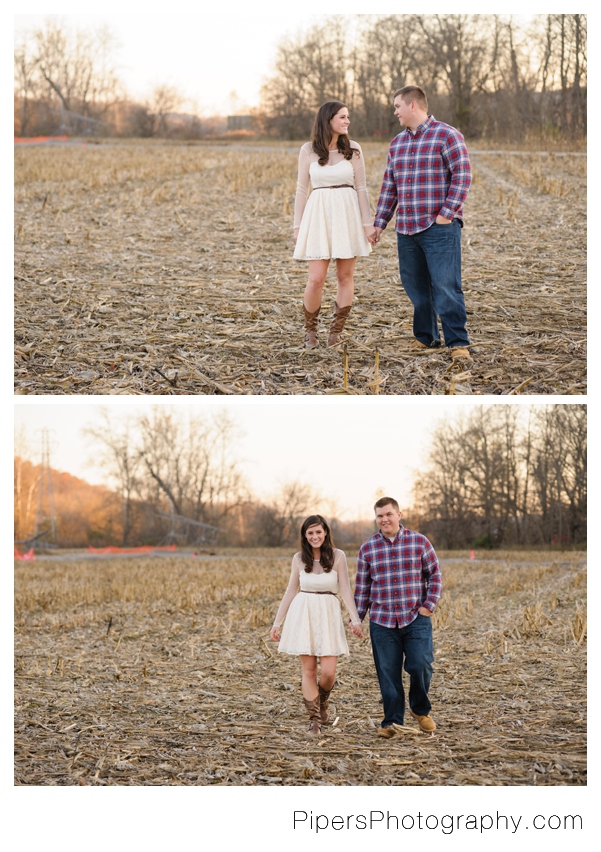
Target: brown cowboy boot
[313,711]
[338,321]
[324,694]
[311,327]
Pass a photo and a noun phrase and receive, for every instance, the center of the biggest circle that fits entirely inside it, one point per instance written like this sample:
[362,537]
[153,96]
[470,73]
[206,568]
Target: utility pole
[45,516]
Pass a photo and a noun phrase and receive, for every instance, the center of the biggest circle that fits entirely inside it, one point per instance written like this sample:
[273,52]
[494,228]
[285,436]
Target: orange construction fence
[148,548]
[25,139]
[29,555]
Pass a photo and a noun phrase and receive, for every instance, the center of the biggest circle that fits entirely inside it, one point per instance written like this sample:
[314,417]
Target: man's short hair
[413,93]
[386,501]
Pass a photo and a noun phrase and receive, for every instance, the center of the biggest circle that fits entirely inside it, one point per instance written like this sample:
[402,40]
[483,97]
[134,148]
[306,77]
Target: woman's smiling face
[340,123]
[315,535]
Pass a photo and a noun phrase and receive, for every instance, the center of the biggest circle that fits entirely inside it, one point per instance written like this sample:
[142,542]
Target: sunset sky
[217,61]
[346,449]
[205,57]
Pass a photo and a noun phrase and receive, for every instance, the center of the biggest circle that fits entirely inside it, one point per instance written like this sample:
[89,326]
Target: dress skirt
[331,226]
[314,626]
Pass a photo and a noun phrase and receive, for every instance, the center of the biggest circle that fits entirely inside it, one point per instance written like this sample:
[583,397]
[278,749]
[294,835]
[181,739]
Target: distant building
[239,122]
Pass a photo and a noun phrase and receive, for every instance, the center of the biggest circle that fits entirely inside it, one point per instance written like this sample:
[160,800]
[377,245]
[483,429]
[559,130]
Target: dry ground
[160,672]
[167,269]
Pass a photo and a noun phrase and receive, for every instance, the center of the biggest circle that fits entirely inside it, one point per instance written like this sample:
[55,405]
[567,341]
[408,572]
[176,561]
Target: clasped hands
[356,630]
[373,236]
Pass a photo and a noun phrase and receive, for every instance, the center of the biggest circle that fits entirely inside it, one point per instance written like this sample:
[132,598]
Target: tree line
[492,76]
[67,82]
[85,514]
[501,476]
[507,476]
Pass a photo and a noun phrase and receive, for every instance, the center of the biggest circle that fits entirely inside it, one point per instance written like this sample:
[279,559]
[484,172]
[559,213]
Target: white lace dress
[332,219]
[313,622]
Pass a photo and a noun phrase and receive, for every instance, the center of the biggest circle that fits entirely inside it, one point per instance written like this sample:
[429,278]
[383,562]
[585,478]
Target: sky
[348,451]
[217,60]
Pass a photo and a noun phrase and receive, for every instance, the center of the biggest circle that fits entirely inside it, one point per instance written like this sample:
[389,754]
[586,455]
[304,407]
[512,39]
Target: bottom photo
[258,593]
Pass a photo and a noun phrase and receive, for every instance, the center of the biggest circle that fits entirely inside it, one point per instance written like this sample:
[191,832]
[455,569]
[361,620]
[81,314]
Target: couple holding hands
[427,178]
[398,580]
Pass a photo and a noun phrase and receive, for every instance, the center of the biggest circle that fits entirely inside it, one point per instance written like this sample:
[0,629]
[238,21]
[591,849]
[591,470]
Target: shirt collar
[421,128]
[397,537]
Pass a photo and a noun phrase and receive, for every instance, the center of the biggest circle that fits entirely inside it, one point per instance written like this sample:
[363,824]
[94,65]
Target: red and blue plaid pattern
[428,173]
[394,578]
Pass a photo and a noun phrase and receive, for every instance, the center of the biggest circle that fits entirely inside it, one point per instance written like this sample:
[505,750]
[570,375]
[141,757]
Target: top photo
[300,204]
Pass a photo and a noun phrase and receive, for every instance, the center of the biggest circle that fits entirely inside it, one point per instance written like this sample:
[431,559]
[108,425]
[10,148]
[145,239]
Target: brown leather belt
[337,186]
[307,592]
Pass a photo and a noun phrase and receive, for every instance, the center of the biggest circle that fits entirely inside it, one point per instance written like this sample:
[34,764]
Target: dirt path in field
[161,672]
[169,271]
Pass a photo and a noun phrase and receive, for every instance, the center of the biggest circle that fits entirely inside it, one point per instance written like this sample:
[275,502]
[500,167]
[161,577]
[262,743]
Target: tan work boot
[311,327]
[426,723]
[314,714]
[460,353]
[418,348]
[386,732]
[338,321]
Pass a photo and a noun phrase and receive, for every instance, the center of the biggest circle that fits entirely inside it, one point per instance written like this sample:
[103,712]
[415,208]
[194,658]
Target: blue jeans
[430,267]
[392,645]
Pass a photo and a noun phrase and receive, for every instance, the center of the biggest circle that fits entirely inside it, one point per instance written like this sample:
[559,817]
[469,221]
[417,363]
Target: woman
[335,221]
[314,625]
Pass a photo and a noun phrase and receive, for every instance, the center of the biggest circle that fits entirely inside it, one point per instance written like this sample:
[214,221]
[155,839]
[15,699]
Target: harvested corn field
[158,269]
[159,671]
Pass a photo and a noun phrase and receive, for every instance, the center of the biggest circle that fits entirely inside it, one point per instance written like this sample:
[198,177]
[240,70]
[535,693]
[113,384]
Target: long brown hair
[322,133]
[327,548]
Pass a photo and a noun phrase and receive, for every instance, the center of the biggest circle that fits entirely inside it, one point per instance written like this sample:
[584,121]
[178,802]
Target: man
[398,580]
[427,179]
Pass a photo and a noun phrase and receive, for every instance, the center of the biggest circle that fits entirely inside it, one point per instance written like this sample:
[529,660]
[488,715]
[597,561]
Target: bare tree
[163,462]
[24,494]
[118,455]
[163,101]
[560,472]
[77,67]
[442,492]
[505,476]
[71,74]
[309,70]
[189,465]
[559,42]
[386,58]
[27,84]
[278,520]
[460,51]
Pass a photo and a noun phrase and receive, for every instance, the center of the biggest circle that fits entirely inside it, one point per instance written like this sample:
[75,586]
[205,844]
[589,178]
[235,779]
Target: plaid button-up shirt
[396,577]
[428,173]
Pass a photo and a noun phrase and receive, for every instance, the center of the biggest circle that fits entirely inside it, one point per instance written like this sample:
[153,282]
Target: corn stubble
[159,671]
[167,269]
